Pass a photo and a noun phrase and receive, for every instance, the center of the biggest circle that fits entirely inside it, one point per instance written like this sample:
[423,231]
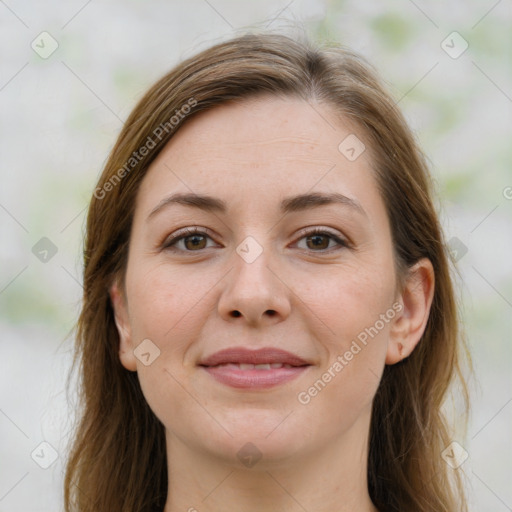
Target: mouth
[249,366]
[239,367]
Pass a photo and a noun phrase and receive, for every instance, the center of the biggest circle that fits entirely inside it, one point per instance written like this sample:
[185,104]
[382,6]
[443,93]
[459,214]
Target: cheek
[166,303]
[166,308]
[356,308]
[344,388]
[348,299]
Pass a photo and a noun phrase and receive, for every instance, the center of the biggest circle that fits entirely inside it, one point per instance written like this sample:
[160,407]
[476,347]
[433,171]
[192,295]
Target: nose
[255,292]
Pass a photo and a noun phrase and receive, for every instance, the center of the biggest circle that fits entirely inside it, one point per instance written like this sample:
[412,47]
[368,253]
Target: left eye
[319,240]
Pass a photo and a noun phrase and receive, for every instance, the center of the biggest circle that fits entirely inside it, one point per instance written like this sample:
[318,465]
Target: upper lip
[242,355]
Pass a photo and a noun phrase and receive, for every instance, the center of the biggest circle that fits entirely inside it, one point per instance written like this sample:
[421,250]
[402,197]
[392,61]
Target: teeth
[249,366]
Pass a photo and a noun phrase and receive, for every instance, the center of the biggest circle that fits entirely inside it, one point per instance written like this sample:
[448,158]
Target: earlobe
[122,321]
[409,325]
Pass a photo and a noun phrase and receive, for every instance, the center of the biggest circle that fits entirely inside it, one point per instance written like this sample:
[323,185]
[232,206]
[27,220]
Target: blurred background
[70,73]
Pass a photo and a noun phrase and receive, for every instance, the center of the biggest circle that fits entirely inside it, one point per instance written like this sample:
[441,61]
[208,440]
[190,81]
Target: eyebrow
[288,205]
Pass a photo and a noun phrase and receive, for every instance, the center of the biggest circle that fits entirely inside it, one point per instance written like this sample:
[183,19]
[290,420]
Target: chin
[268,434]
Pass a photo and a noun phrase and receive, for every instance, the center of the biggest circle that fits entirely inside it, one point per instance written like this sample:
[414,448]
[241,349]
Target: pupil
[317,240]
[196,240]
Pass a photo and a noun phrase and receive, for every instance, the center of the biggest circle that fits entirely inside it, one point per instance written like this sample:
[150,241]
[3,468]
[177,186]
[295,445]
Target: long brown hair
[118,457]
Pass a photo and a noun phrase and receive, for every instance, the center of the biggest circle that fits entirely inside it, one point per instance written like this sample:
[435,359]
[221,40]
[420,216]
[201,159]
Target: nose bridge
[251,262]
[254,291]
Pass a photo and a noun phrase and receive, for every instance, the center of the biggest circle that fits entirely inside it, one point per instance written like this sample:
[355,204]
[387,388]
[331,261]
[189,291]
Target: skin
[309,299]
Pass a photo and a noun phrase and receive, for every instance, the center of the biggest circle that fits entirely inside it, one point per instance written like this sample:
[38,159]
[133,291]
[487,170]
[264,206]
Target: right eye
[191,240]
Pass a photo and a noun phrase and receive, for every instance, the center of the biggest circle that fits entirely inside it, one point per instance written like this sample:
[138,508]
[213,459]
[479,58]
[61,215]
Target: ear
[409,324]
[122,320]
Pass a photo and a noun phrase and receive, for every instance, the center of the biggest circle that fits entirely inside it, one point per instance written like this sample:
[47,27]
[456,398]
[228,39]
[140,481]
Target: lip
[230,374]
[238,355]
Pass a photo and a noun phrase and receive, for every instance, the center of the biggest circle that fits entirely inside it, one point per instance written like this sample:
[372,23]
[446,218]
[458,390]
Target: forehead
[260,148]
[265,127]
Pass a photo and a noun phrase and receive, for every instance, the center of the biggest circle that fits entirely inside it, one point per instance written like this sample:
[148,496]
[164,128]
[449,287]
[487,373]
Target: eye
[319,239]
[191,240]
[194,240]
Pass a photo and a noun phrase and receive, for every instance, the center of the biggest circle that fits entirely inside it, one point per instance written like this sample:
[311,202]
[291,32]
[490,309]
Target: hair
[117,460]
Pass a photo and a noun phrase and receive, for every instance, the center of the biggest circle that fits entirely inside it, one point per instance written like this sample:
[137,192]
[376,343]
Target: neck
[330,478]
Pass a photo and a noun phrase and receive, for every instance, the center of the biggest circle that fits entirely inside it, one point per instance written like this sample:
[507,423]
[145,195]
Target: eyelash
[342,244]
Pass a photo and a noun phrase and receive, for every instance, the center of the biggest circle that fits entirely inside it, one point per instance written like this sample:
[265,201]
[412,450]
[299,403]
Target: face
[262,266]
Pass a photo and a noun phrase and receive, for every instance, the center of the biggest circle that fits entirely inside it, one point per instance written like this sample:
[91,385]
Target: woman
[268,320]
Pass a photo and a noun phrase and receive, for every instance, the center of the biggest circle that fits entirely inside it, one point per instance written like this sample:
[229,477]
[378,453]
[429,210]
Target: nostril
[270,312]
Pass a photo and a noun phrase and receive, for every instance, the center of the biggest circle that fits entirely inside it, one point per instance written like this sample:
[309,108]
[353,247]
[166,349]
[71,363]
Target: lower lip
[254,379]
